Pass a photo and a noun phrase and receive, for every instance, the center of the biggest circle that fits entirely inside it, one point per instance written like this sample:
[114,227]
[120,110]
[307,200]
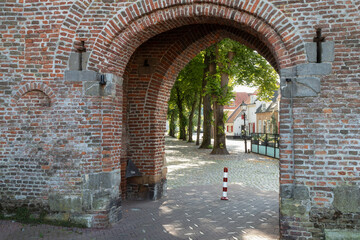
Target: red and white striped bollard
[225,180]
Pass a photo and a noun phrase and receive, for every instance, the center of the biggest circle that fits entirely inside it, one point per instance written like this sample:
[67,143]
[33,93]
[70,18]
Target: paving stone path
[192,208]
[188,165]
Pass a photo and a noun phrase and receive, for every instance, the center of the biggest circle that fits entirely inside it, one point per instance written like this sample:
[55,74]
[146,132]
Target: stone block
[286,191]
[343,234]
[301,193]
[288,72]
[101,201]
[311,52]
[60,203]
[347,199]
[304,91]
[89,76]
[85,59]
[300,87]
[288,89]
[73,76]
[86,199]
[79,76]
[115,178]
[98,181]
[84,219]
[108,90]
[58,217]
[74,61]
[327,54]
[102,180]
[92,88]
[293,208]
[115,200]
[311,82]
[115,214]
[314,69]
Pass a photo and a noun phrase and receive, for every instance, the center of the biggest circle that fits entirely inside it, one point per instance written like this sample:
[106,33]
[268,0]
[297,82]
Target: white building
[250,118]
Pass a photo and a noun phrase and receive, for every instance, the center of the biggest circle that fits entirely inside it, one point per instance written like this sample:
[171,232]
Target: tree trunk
[206,142]
[191,116]
[172,125]
[199,121]
[219,128]
[182,118]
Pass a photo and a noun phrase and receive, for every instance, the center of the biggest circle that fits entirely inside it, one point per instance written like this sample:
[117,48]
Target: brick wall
[61,130]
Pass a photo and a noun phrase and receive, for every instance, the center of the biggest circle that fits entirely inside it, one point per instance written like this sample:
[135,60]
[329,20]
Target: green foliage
[221,129]
[210,147]
[182,94]
[225,117]
[246,68]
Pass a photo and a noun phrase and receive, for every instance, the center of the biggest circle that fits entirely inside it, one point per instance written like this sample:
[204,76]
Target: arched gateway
[70,154]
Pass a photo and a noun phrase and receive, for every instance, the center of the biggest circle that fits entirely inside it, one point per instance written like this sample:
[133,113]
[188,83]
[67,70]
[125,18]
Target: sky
[241,88]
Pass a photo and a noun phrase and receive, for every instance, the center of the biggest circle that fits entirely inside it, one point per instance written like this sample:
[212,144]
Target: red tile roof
[239,98]
[233,115]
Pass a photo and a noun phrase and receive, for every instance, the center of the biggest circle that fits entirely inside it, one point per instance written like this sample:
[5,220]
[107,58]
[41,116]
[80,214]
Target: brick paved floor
[192,209]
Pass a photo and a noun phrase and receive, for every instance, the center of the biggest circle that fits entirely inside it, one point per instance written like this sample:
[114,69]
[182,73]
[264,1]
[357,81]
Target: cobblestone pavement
[188,165]
[192,209]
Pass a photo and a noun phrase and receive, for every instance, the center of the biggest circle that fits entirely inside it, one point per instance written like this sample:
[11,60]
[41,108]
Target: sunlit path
[188,165]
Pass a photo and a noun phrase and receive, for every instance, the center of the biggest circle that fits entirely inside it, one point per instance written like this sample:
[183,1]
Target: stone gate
[84,88]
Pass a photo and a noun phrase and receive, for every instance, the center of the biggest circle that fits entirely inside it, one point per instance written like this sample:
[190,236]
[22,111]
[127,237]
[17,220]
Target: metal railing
[265,144]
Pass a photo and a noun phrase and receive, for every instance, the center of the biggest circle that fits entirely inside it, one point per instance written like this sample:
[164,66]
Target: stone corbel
[304,80]
[91,80]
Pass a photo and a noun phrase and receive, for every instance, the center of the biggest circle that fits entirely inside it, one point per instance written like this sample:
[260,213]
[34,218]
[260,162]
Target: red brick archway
[134,35]
[133,121]
[258,25]
[146,93]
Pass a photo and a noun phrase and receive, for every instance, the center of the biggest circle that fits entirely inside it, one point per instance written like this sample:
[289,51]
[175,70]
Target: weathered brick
[53,134]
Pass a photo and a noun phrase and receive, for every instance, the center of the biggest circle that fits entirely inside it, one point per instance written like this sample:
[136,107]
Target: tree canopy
[234,63]
[247,67]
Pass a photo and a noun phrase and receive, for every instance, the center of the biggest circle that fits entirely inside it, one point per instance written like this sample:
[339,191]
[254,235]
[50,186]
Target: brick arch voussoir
[35,86]
[67,32]
[143,14]
[160,87]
